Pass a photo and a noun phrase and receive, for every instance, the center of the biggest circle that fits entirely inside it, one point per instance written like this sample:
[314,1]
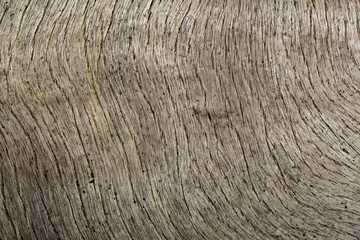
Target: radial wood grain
[179,119]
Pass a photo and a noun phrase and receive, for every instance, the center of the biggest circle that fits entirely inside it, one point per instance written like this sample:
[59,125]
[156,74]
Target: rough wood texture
[192,119]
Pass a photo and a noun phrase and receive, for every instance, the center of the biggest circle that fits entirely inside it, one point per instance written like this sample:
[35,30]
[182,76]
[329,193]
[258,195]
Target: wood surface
[179,119]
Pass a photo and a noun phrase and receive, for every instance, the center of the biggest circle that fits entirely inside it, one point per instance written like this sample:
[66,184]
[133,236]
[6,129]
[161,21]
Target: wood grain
[191,119]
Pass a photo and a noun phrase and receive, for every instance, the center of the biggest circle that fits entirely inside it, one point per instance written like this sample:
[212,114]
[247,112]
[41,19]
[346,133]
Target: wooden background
[179,119]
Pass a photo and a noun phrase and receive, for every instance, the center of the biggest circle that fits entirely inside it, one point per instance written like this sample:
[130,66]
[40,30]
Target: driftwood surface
[179,119]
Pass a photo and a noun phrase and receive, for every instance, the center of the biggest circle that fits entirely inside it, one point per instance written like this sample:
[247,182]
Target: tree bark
[193,119]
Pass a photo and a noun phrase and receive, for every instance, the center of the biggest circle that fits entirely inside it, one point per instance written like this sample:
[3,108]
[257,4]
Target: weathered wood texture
[191,119]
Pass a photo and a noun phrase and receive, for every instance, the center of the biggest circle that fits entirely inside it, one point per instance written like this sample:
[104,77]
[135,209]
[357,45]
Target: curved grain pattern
[183,119]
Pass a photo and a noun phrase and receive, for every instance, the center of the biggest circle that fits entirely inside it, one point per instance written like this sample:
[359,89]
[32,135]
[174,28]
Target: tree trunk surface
[192,119]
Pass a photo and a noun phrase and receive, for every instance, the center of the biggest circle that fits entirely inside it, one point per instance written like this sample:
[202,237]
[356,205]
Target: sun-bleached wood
[191,119]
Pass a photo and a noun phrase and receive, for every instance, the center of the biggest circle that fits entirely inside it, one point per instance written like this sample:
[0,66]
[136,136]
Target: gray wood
[192,119]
